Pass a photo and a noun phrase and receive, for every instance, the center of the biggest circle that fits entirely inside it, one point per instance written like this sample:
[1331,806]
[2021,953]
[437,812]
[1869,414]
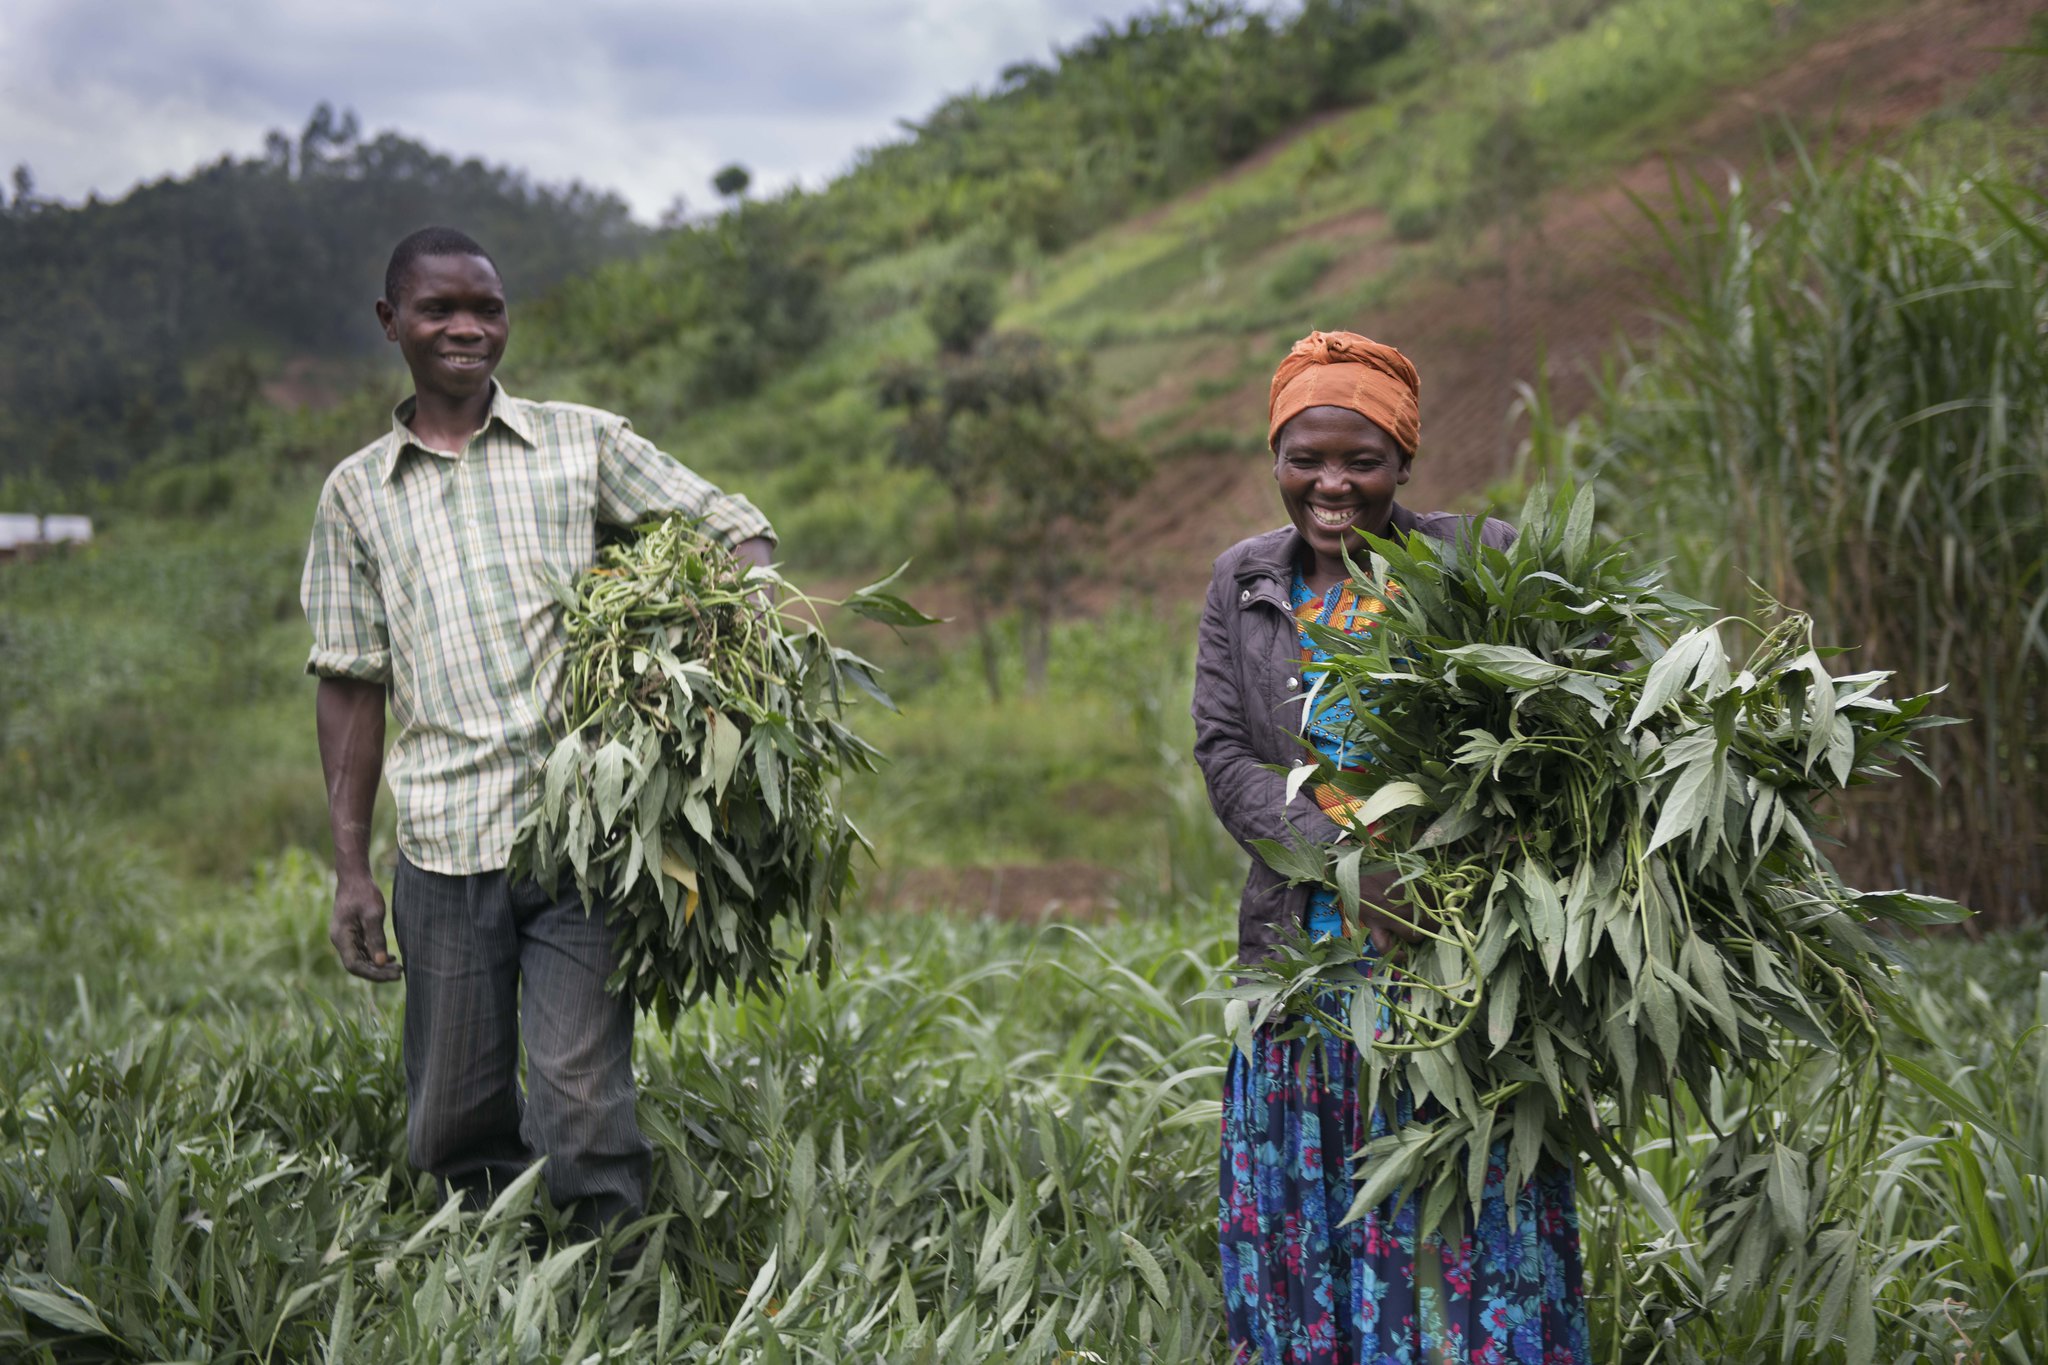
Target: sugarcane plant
[694,792]
[1611,840]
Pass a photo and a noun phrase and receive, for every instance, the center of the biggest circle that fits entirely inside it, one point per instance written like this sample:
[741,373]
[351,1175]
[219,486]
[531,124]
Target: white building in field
[25,535]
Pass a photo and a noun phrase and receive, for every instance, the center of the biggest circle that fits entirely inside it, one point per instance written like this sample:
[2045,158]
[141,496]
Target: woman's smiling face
[1337,470]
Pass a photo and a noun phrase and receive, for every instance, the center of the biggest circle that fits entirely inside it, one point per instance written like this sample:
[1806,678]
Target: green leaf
[1786,1185]
[1504,995]
[1578,531]
[559,775]
[1671,674]
[608,782]
[1448,828]
[1546,914]
[725,750]
[1689,802]
[1296,862]
[1345,874]
[1953,1099]
[1148,1268]
[1389,798]
[67,1309]
[876,604]
[1507,663]
[1660,1008]
[768,767]
[1300,774]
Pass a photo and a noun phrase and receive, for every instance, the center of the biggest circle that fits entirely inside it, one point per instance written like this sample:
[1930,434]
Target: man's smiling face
[450,324]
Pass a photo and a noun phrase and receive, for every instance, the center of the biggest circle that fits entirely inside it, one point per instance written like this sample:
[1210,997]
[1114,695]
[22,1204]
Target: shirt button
[1244,596]
[1293,683]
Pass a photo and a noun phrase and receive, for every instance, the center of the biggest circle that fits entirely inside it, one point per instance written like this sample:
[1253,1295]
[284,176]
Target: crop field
[973,1142]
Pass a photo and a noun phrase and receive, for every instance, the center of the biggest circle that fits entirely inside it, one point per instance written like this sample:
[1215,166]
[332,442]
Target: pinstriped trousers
[489,962]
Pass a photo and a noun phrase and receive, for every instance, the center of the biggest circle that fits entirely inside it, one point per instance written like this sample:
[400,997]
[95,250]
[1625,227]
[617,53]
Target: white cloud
[635,95]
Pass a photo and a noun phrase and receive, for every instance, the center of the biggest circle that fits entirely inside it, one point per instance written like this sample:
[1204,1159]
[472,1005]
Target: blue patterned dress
[1300,1290]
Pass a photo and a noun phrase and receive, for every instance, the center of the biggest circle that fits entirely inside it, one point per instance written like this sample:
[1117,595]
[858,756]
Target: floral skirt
[1300,1290]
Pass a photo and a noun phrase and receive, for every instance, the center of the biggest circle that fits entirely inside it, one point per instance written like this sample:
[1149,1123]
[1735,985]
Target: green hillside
[1365,200]
[752,347]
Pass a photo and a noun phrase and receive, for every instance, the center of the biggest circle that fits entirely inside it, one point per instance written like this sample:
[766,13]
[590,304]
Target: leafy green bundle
[1617,837]
[693,796]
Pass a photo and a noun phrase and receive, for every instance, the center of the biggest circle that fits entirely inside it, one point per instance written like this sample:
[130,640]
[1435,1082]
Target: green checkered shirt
[431,571]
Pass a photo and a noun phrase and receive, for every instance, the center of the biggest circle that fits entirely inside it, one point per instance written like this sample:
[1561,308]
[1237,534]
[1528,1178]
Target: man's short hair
[428,241]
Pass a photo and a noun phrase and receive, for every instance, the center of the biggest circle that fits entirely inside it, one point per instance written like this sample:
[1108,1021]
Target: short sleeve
[343,605]
[637,481]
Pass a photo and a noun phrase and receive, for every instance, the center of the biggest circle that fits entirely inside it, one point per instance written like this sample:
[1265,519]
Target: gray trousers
[489,961]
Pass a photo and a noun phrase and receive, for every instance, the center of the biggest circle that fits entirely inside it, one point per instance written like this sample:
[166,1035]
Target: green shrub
[1416,220]
[1298,271]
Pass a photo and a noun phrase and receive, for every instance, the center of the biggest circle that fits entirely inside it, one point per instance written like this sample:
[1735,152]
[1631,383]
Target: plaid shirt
[432,572]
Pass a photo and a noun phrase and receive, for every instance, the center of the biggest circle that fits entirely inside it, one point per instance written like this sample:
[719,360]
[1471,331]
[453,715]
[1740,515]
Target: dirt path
[1578,281]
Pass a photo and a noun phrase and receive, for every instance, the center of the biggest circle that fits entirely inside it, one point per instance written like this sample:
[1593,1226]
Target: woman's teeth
[1333,519]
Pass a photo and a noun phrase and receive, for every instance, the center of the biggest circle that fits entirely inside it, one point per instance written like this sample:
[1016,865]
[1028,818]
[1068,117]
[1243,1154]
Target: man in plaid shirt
[429,584]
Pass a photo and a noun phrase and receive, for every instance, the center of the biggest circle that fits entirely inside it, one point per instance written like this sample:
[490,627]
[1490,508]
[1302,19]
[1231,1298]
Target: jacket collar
[1274,554]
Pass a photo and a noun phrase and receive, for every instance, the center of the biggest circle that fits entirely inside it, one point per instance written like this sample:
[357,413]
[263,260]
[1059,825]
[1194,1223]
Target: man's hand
[351,724]
[758,553]
[358,932]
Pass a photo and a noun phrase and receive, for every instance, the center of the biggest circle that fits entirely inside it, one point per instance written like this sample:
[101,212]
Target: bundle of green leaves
[1617,836]
[694,795]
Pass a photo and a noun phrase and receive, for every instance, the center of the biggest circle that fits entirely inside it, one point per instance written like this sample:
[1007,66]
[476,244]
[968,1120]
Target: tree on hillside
[726,302]
[732,181]
[1003,423]
[959,311]
[1135,111]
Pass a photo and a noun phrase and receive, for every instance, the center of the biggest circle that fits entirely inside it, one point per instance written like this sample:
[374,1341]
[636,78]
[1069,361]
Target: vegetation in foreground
[975,1142]
[1617,828]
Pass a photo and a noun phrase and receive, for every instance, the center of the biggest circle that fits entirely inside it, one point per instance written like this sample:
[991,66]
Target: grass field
[974,1142]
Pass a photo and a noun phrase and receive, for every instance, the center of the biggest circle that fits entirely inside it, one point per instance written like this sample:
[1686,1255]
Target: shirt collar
[504,409]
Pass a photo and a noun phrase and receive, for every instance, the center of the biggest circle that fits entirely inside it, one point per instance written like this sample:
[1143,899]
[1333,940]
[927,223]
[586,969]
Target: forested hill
[1175,196]
[130,323]
[113,308]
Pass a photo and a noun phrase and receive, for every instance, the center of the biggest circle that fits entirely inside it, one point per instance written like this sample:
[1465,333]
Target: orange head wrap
[1346,370]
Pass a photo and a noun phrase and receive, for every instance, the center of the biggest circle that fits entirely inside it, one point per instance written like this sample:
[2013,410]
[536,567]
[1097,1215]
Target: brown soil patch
[310,383]
[1210,362]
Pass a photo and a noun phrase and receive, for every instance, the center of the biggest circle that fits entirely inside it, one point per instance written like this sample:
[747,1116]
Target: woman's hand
[1388,914]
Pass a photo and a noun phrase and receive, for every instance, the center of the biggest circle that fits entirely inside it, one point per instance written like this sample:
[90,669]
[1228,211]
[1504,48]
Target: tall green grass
[1847,405]
[975,1142]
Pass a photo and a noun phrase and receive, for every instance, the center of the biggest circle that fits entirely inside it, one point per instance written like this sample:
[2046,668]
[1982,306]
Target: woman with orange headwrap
[1344,421]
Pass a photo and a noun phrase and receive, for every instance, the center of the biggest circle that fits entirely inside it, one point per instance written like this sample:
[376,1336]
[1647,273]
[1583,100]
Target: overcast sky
[643,97]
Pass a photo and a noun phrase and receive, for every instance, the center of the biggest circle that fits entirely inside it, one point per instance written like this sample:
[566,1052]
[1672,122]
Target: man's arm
[636,482]
[351,725]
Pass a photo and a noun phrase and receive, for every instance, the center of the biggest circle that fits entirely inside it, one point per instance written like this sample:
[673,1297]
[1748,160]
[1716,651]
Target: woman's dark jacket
[1248,690]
